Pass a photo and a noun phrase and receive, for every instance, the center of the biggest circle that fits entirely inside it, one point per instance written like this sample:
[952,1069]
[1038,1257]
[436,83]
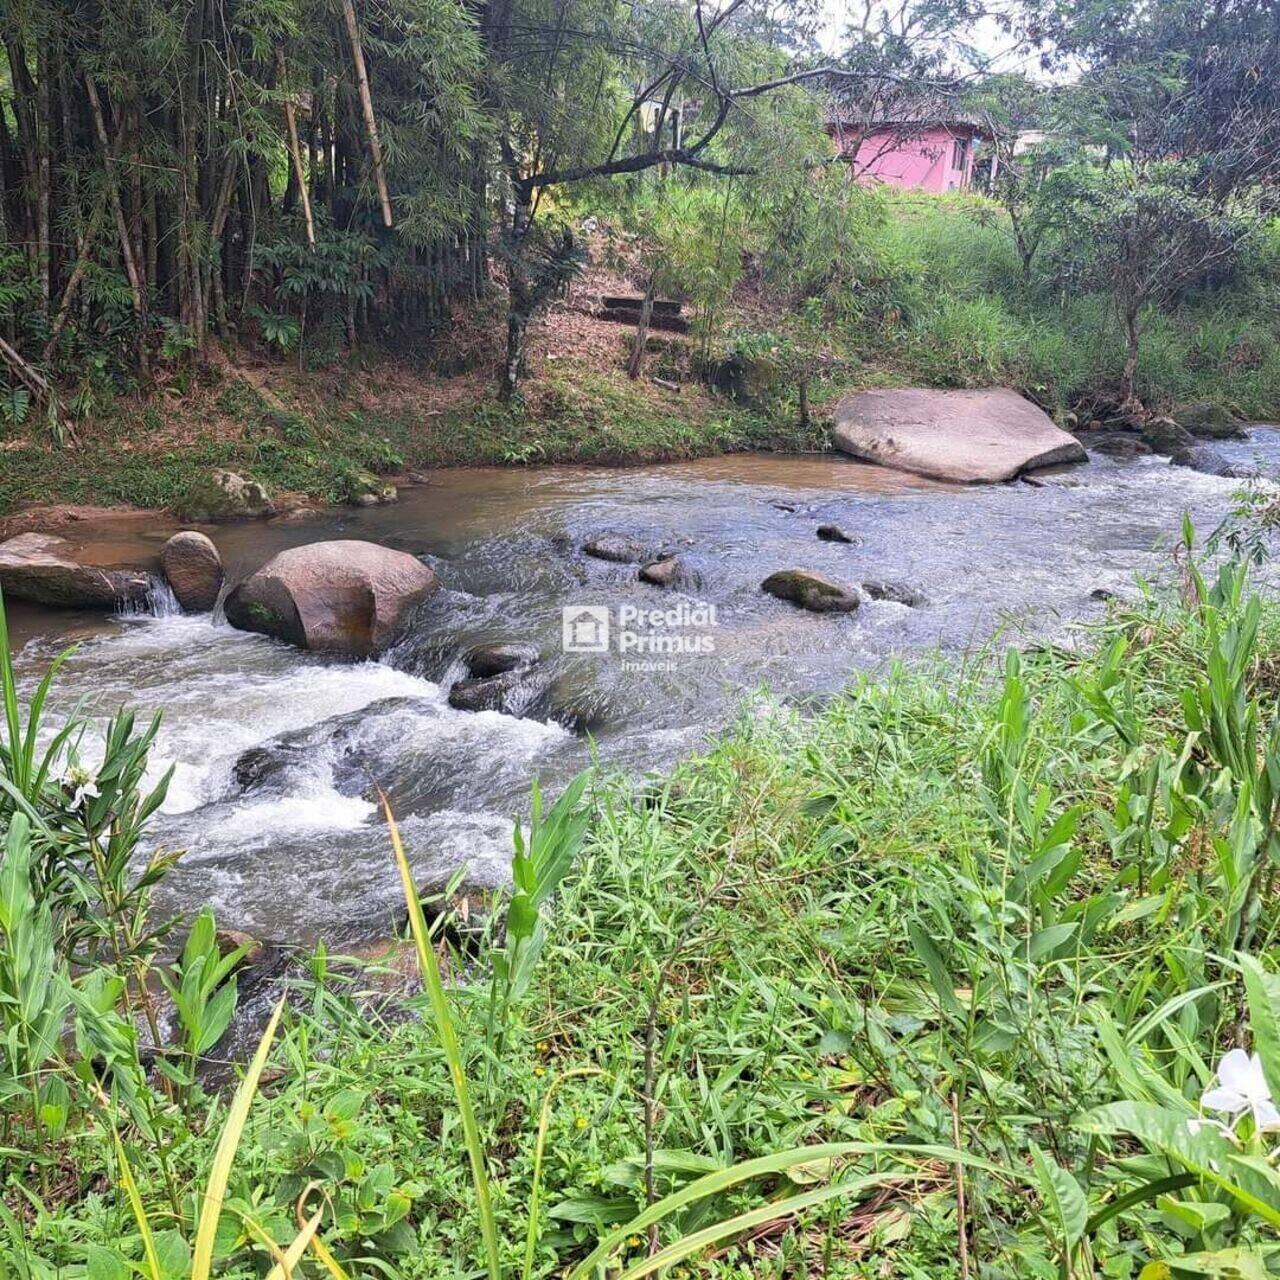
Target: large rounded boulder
[334,597]
[48,570]
[966,437]
[194,569]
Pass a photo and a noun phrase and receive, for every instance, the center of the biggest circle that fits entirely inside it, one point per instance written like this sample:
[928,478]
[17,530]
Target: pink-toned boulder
[194,569]
[48,570]
[967,437]
[336,597]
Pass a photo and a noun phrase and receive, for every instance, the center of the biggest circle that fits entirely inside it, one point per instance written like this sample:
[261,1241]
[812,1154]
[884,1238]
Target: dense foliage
[307,181]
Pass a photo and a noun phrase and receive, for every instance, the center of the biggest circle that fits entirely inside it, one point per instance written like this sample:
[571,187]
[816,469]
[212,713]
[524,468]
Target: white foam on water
[318,810]
[220,691]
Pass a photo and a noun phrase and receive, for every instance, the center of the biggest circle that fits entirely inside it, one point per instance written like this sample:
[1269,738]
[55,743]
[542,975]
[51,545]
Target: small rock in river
[617,548]
[1206,459]
[895,593]
[512,692]
[810,591]
[500,657]
[661,573]
[834,533]
[194,569]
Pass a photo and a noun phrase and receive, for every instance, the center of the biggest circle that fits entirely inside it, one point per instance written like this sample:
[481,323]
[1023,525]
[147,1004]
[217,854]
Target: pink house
[922,155]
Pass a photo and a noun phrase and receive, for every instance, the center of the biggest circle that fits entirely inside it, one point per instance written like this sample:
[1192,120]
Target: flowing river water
[276,752]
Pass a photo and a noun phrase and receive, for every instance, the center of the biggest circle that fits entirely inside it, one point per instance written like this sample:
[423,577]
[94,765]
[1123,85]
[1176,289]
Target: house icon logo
[584,628]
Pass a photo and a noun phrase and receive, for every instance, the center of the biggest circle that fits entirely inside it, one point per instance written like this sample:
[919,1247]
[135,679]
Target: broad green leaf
[1203,1150]
[1262,990]
[1062,1196]
[101,1263]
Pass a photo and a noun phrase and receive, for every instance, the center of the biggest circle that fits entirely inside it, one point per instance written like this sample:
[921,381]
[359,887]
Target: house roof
[841,117]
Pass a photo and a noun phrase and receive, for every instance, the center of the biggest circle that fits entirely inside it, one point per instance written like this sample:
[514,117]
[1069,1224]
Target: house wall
[921,160]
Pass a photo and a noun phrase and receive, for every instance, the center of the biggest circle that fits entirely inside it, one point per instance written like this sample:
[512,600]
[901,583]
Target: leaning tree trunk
[641,339]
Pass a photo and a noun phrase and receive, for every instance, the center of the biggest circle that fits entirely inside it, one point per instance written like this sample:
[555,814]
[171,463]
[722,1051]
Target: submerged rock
[810,591]
[895,593]
[664,572]
[512,692]
[834,533]
[44,569]
[193,568]
[499,657]
[1205,458]
[617,548]
[336,597]
[1210,421]
[967,437]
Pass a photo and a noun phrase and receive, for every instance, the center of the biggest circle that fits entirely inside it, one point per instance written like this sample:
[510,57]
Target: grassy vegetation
[958,311]
[154,455]
[995,928]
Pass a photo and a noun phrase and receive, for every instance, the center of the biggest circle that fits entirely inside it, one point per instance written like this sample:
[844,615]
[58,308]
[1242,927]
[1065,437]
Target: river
[288,845]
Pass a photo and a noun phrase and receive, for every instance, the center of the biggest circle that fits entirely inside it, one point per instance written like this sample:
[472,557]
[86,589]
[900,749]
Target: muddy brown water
[276,752]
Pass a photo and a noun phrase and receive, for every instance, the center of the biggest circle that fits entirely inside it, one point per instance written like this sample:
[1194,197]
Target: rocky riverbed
[277,751]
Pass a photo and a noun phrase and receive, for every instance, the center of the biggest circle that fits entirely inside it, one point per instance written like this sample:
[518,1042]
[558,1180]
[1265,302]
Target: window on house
[958,148]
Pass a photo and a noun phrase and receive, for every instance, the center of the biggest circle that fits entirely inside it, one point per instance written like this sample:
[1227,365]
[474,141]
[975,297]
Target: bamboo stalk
[295,152]
[366,104]
[122,225]
[73,284]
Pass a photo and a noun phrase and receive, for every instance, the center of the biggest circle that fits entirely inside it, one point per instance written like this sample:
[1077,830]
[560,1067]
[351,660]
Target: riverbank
[309,436]
[946,305]
[935,912]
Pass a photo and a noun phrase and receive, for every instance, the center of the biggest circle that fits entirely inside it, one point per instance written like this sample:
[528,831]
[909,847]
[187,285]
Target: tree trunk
[636,362]
[1129,401]
[517,328]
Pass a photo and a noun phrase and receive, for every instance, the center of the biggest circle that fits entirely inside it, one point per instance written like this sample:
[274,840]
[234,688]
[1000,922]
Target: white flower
[1242,1087]
[86,791]
[81,782]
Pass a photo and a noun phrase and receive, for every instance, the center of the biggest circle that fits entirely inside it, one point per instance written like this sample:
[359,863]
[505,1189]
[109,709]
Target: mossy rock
[224,495]
[1209,420]
[809,590]
[364,489]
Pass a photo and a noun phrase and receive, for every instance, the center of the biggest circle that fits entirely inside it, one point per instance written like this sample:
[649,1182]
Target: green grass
[946,907]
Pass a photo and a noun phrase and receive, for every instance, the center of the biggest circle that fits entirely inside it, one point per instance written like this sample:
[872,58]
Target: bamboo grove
[168,168]
[175,171]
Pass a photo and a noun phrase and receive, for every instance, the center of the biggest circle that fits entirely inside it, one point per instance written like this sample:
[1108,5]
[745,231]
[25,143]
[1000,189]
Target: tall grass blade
[139,1211]
[792,1205]
[778,1162]
[535,1195]
[216,1189]
[429,968]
